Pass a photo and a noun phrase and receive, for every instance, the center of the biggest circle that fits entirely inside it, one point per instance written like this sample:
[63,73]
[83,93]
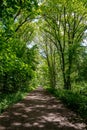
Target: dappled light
[40,111]
[43,43]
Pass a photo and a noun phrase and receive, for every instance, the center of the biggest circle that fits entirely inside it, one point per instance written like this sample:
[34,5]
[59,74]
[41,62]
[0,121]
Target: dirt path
[40,111]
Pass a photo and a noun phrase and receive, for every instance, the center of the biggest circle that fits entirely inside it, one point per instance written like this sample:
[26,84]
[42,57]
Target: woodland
[44,43]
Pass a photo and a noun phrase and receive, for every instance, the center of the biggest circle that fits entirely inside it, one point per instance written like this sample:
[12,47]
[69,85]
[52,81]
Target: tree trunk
[63,69]
[68,83]
[68,77]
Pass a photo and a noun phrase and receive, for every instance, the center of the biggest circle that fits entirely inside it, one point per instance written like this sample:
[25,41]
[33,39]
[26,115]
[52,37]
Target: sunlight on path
[40,111]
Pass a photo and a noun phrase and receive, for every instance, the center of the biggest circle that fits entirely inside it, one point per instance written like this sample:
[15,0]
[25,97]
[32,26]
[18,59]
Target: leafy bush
[14,73]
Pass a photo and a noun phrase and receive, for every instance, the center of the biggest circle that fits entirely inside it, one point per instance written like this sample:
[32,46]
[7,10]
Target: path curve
[40,111]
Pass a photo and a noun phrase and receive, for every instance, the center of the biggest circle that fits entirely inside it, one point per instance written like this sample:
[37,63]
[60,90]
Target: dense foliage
[17,60]
[64,27]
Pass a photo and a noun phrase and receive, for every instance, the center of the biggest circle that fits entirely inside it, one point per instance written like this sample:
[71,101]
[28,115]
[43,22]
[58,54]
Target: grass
[7,100]
[73,100]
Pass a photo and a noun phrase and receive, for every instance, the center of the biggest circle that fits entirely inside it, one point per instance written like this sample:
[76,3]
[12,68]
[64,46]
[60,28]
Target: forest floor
[40,111]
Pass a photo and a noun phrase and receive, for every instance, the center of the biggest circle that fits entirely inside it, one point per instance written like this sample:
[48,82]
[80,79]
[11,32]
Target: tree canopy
[17,60]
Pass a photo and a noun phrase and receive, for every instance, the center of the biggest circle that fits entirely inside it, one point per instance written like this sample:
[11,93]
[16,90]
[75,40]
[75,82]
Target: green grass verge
[72,100]
[7,100]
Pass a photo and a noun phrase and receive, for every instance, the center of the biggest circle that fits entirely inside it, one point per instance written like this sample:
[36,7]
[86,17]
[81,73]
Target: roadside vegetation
[75,101]
[17,54]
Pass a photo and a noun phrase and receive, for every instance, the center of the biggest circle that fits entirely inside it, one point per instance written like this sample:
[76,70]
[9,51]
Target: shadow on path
[40,111]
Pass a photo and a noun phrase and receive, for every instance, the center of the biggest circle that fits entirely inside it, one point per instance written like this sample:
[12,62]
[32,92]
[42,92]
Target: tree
[49,54]
[66,20]
[16,31]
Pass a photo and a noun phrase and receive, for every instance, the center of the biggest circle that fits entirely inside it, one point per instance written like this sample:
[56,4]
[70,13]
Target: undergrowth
[73,100]
[9,99]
